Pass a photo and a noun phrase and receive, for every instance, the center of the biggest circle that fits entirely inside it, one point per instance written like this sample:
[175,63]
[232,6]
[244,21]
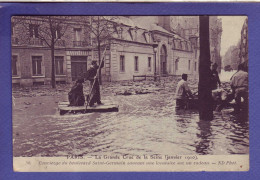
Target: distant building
[135,43]
[238,54]
[231,58]
[188,27]
[243,54]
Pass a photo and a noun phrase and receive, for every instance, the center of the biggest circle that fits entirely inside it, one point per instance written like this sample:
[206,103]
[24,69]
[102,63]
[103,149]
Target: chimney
[165,22]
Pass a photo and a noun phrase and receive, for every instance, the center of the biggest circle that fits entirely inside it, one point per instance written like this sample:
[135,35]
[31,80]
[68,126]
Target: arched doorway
[163,60]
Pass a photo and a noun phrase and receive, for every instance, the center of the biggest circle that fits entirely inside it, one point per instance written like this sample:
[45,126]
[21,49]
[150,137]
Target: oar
[103,57]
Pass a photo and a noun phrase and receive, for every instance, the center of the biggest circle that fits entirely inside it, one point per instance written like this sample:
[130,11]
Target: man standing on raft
[94,96]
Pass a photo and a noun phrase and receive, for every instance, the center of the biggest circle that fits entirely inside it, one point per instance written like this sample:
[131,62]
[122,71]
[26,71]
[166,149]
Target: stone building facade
[139,45]
[188,27]
[243,53]
[31,56]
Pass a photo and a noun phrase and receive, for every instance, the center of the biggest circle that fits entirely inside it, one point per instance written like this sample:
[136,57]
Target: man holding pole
[92,73]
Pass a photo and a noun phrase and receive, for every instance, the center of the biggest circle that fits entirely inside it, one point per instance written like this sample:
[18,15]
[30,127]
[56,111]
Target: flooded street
[145,124]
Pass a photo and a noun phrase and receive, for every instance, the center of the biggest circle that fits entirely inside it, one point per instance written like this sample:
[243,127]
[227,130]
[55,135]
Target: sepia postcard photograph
[95,87]
[130,90]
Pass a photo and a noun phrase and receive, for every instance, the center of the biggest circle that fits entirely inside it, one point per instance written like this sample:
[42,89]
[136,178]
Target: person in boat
[215,81]
[91,75]
[183,93]
[239,86]
[76,96]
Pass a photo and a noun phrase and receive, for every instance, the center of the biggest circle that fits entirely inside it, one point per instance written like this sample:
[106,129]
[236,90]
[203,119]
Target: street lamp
[155,51]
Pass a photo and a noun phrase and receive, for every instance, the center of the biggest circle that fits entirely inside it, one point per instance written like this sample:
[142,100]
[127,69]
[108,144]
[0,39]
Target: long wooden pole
[91,90]
[205,95]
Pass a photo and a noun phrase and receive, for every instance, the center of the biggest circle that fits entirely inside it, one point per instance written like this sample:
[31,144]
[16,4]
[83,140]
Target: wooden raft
[64,108]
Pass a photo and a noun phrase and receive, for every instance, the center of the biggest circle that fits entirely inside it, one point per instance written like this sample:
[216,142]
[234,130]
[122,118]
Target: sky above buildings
[231,26]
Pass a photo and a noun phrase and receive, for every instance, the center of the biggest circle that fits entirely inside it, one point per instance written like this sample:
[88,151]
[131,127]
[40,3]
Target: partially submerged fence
[145,77]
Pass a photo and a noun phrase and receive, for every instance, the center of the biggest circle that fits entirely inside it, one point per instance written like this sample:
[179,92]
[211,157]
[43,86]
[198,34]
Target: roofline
[148,44]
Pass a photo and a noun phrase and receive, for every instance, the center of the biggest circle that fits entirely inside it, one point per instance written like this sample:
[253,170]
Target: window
[135,38]
[189,64]
[131,33]
[149,63]
[195,66]
[120,33]
[176,64]
[180,45]
[77,33]
[37,65]
[59,60]
[146,36]
[14,65]
[173,45]
[183,45]
[57,34]
[188,46]
[33,30]
[122,63]
[136,63]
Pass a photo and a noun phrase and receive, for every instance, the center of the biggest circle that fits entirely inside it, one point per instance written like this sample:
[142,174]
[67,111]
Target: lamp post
[155,51]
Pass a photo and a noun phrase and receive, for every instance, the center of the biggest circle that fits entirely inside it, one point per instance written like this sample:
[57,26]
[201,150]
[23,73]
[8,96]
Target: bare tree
[43,30]
[101,29]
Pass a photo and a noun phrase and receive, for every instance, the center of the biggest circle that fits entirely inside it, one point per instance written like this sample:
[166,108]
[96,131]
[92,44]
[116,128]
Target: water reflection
[146,124]
[204,137]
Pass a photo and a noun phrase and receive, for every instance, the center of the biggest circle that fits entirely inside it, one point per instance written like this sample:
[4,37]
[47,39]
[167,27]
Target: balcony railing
[60,43]
[36,42]
[15,41]
[80,44]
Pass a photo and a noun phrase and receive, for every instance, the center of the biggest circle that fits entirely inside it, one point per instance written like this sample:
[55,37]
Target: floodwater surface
[145,124]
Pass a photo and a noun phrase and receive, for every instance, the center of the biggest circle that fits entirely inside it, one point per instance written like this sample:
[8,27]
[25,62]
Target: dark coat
[92,72]
[95,92]
[214,79]
[76,96]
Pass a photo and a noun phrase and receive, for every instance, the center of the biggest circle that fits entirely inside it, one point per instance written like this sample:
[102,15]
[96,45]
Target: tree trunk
[53,82]
[205,96]
[99,59]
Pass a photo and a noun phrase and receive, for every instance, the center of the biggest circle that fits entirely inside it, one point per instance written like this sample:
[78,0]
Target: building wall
[21,46]
[134,40]
[25,75]
[183,59]
[129,51]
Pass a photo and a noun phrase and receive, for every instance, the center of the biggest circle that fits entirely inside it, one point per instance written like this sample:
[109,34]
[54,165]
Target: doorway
[78,67]
[163,60]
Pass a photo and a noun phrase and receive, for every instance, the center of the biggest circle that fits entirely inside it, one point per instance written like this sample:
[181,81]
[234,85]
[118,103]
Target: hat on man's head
[93,62]
[215,65]
[81,80]
[183,76]
[240,67]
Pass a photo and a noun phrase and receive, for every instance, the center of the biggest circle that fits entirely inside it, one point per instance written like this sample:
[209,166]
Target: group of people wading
[221,98]
[76,95]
